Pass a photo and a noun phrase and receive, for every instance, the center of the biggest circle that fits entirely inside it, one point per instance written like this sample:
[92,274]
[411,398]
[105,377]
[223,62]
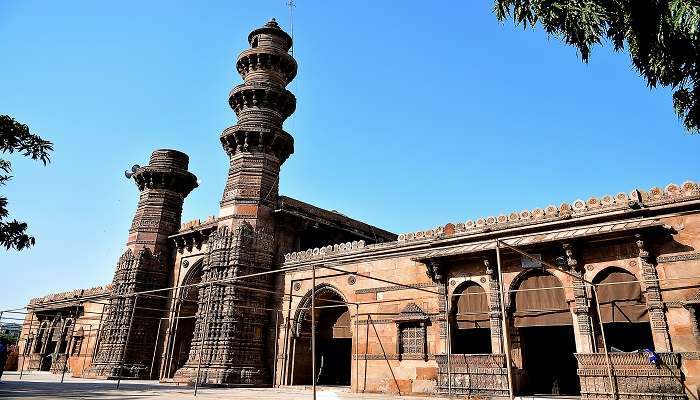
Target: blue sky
[410,114]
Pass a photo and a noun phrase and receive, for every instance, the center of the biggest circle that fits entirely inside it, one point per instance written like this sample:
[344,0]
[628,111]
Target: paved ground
[44,385]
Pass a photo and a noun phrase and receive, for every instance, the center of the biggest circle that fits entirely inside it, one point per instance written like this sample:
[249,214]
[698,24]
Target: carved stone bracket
[435,271]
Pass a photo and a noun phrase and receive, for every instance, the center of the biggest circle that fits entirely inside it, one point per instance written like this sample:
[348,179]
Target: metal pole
[82,369]
[274,362]
[613,386]
[364,386]
[173,334]
[155,349]
[357,348]
[313,329]
[201,343]
[504,326]
[69,339]
[99,335]
[126,342]
[294,356]
[448,343]
[24,351]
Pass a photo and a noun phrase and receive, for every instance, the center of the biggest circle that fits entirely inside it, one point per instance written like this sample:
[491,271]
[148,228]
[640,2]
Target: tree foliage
[662,37]
[16,137]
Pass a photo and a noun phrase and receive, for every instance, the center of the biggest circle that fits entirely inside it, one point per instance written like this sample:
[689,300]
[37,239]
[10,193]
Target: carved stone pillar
[580,308]
[657,314]
[494,309]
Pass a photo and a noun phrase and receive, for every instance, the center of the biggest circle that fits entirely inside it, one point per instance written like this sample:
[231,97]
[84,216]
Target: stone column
[657,314]
[580,308]
[494,309]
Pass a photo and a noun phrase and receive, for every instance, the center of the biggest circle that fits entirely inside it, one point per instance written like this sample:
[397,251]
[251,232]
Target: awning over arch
[540,301]
[472,308]
[621,298]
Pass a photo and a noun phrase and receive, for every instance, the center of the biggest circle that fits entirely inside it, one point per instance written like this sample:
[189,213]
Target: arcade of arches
[541,326]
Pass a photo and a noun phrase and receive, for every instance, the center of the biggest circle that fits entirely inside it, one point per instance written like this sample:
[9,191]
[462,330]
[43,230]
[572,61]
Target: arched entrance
[623,311]
[471,329]
[333,340]
[48,352]
[183,326]
[543,326]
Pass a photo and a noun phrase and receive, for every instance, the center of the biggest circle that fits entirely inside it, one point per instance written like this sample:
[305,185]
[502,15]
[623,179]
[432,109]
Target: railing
[635,377]
[58,363]
[473,374]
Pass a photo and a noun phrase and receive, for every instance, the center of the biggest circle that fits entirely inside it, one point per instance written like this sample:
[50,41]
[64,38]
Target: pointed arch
[470,324]
[323,290]
[470,305]
[537,298]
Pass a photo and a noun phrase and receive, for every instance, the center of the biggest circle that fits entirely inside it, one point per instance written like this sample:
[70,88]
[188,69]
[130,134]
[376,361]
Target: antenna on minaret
[291,5]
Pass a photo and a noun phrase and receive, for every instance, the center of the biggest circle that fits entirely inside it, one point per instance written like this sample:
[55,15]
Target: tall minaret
[232,320]
[257,145]
[129,327]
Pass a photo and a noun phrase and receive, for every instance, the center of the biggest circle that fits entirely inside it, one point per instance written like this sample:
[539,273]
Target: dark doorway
[333,361]
[470,326]
[623,311]
[548,360]
[543,324]
[628,337]
[333,341]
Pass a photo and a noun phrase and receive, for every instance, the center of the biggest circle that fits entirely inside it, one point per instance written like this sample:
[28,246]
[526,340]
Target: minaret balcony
[268,63]
[257,138]
[262,96]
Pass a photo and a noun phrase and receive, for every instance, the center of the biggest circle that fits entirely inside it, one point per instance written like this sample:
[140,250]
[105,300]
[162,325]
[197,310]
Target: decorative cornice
[395,288]
[551,215]
[689,256]
[71,295]
[392,356]
[323,251]
[579,208]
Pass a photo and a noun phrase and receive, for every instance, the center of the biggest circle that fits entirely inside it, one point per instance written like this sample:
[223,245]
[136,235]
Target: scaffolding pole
[69,339]
[126,343]
[448,341]
[274,359]
[155,350]
[26,343]
[357,348]
[504,325]
[613,386]
[313,329]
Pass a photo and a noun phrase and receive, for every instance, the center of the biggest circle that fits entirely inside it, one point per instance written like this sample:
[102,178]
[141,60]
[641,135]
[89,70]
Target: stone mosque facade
[587,298]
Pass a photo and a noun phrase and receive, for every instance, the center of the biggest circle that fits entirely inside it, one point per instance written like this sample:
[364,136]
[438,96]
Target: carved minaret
[164,183]
[257,145]
[232,320]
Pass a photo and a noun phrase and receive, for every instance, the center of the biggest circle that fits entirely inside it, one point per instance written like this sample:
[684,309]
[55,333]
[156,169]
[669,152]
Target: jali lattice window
[411,339]
[411,326]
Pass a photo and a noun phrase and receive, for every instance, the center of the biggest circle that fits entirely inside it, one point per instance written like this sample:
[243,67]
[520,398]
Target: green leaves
[662,37]
[16,137]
